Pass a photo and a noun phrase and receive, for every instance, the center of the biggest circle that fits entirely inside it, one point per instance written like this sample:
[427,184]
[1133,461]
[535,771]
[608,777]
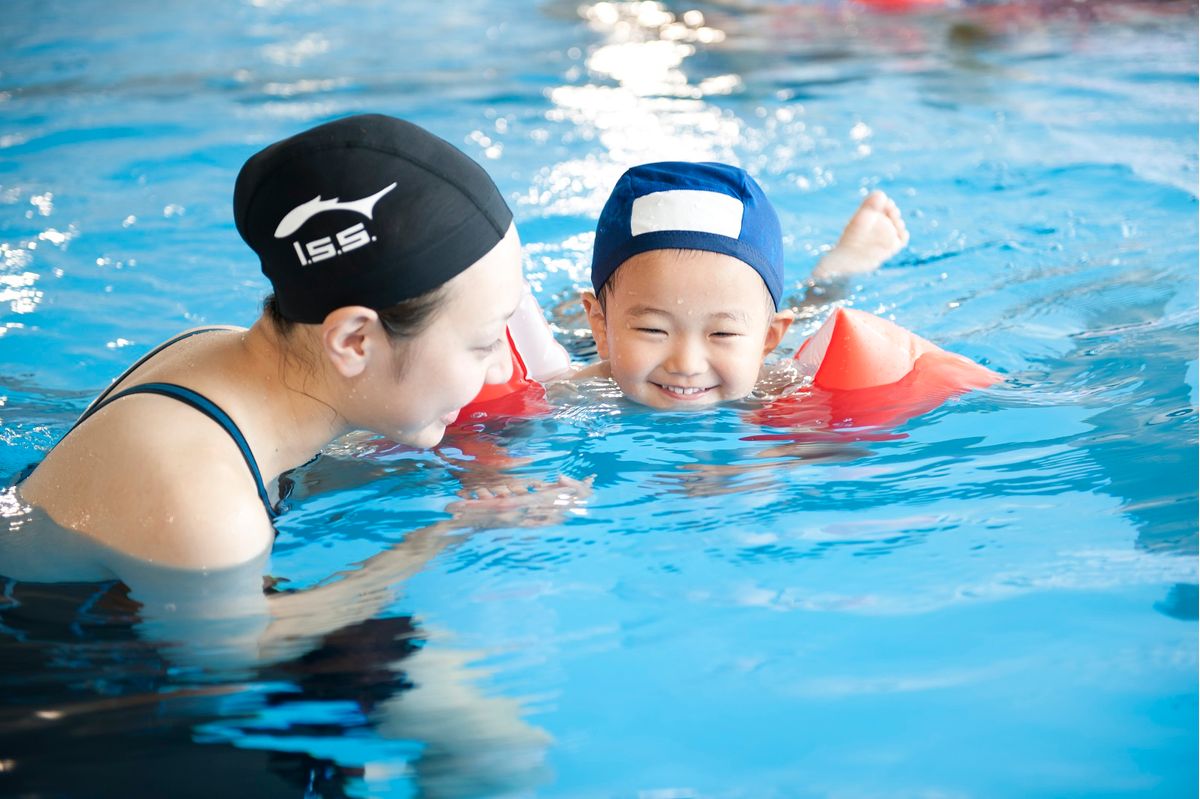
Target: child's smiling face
[685,329]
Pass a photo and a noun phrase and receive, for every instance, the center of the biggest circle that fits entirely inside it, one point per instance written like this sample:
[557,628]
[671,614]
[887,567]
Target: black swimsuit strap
[207,407]
[188,397]
[136,364]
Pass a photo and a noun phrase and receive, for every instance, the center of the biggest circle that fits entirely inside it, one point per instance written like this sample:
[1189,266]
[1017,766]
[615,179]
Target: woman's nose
[501,368]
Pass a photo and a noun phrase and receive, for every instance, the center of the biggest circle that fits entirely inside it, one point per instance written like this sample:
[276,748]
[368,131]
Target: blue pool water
[999,601]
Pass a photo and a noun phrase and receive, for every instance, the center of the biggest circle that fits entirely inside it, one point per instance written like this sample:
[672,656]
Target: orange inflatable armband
[869,372]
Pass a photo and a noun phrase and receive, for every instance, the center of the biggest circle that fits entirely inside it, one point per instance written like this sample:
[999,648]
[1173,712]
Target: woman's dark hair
[405,319]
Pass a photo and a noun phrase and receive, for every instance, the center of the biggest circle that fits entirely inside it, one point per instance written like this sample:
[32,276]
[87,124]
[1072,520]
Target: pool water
[997,598]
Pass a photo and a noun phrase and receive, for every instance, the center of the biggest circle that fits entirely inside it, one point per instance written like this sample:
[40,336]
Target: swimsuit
[86,650]
[188,397]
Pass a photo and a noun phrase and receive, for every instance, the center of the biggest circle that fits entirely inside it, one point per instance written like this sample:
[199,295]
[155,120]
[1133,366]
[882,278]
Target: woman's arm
[223,618]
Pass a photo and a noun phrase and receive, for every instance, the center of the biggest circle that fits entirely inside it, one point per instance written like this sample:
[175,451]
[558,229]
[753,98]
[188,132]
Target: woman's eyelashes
[488,349]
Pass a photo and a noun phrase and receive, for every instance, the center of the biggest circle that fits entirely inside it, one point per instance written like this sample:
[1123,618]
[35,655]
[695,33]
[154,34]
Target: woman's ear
[348,340]
[595,317]
[779,325]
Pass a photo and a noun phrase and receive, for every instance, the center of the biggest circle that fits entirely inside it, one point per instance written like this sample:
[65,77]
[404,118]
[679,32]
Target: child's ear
[595,317]
[779,325]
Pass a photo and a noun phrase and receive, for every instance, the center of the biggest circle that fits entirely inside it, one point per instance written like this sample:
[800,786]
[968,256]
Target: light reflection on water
[998,598]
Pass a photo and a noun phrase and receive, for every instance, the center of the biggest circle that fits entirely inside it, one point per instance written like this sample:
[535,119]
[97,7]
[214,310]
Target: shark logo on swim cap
[296,217]
[437,213]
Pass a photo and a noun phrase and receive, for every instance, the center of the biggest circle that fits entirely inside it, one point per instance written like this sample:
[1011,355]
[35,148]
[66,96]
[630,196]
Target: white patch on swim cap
[687,209]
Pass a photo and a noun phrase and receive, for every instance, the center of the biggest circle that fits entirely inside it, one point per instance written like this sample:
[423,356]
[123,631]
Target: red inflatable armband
[520,396]
[869,372]
[516,382]
[897,6]
[536,356]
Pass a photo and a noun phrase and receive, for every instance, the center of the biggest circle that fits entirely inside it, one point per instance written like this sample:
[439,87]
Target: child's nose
[687,358]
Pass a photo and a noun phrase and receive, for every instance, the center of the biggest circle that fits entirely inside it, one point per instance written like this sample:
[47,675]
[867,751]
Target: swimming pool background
[1000,603]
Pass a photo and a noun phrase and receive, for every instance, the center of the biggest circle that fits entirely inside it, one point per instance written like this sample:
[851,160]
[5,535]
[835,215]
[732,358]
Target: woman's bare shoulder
[156,480]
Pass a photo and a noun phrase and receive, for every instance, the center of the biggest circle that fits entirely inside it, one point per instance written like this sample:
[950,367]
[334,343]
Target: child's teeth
[682,390]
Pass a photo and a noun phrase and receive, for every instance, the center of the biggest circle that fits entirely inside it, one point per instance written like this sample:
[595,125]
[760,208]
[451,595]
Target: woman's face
[437,372]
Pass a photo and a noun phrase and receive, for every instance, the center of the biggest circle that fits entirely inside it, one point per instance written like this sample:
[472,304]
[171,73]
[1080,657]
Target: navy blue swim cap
[689,206]
[366,210]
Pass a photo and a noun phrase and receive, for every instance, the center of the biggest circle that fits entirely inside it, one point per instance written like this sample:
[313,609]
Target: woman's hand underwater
[513,503]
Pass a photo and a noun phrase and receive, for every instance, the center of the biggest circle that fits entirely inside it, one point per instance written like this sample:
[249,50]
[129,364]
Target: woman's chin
[426,438]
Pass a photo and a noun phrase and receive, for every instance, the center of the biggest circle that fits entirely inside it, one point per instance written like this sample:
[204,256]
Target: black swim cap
[366,210]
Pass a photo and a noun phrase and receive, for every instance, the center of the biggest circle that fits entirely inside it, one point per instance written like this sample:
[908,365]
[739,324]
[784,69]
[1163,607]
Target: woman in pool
[395,266]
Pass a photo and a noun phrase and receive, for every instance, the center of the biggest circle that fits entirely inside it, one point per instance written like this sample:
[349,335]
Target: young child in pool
[687,268]
[687,271]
